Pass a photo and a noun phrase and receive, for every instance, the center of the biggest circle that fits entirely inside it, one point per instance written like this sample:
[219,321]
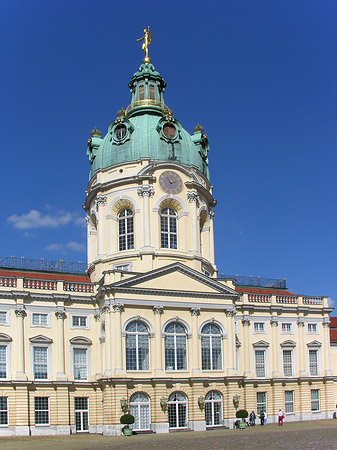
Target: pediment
[261,344]
[176,278]
[288,343]
[314,344]
[80,340]
[5,338]
[40,339]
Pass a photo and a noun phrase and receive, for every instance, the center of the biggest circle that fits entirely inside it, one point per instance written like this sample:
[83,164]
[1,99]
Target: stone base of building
[160,427]
[197,425]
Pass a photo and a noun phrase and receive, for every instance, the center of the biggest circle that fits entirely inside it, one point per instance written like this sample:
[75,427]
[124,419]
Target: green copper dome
[147,129]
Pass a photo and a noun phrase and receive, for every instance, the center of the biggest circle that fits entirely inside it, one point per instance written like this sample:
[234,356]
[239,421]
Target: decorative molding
[300,322]
[195,311]
[145,191]
[40,339]
[101,201]
[211,214]
[21,311]
[97,317]
[230,312]
[80,340]
[157,309]
[245,321]
[193,197]
[105,309]
[274,322]
[60,315]
[326,322]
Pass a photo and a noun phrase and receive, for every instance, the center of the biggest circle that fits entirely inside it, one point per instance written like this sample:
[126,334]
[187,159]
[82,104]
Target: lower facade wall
[195,405]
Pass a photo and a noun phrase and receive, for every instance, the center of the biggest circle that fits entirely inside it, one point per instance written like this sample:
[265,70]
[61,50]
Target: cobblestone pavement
[315,435]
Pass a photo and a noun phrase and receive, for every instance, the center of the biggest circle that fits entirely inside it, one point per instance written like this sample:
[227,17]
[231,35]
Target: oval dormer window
[169,130]
[120,132]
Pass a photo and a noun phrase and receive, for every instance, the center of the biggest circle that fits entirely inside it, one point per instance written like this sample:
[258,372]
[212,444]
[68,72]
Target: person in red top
[280,417]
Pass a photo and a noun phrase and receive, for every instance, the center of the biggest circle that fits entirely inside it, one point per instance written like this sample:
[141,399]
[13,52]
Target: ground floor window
[41,406]
[3,411]
[315,407]
[81,414]
[177,410]
[140,409]
[261,402]
[213,409]
[289,402]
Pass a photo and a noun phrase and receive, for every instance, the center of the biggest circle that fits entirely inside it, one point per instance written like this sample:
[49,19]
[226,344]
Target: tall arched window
[211,347]
[175,347]
[140,409]
[177,410]
[125,230]
[137,346]
[168,228]
[213,408]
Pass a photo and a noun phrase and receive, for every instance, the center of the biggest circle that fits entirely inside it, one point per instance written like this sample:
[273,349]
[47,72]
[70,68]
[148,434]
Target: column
[146,192]
[158,362]
[60,316]
[100,202]
[326,331]
[195,358]
[118,309]
[211,237]
[107,325]
[246,344]
[20,314]
[302,350]
[231,348]
[193,197]
[274,346]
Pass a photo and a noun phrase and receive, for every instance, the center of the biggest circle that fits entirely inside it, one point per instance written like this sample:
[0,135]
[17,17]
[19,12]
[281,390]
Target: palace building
[151,327]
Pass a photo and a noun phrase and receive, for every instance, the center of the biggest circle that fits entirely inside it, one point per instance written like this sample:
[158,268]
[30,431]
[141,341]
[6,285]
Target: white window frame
[33,325]
[75,327]
[81,412]
[290,350]
[315,325]
[261,346]
[284,324]
[175,335]
[2,425]
[317,361]
[35,410]
[81,343]
[46,346]
[7,346]
[258,404]
[169,233]
[6,323]
[315,400]
[137,334]
[259,327]
[290,403]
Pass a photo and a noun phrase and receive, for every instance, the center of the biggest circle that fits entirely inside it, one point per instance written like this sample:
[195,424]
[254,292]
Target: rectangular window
[313,362]
[152,94]
[287,363]
[261,402]
[40,319]
[315,407]
[3,361]
[312,327]
[3,318]
[41,406]
[259,327]
[260,363]
[289,402]
[286,327]
[141,92]
[81,414]
[3,411]
[80,364]
[40,363]
[79,321]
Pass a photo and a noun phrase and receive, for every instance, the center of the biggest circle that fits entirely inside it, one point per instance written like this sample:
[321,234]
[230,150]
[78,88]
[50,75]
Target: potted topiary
[242,414]
[126,420]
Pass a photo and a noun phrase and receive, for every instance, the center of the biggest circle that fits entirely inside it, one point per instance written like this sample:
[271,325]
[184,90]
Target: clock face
[170,182]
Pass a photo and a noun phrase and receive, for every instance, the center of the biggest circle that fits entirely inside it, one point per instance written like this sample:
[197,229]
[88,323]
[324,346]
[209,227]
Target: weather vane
[147,38]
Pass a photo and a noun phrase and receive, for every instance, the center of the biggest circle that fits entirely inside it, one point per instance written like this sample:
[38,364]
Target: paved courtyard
[315,435]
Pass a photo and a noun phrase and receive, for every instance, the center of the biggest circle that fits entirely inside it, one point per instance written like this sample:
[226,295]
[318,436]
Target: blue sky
[260,76]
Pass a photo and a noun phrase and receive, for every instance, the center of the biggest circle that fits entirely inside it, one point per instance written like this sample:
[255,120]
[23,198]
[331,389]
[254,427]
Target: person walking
[280,417]
[265,418]
[262,417]
[252,418]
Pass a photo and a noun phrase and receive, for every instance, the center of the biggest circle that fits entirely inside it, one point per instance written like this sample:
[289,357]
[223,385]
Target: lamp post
[236,401]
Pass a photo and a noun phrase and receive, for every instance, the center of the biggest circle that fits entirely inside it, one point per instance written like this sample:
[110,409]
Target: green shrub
[127,419]
[242,414]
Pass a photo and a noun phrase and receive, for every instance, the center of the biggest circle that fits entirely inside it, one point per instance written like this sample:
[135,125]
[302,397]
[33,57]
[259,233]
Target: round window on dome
[120,132]
[169,130]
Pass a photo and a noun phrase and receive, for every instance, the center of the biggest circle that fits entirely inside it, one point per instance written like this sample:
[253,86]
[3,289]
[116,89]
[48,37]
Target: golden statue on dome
[147,38]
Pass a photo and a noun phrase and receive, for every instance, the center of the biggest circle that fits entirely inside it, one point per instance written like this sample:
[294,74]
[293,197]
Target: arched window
[175,347]
[125,230]
[140,409]
[137,346]
[213,409]
[177,410]
[168,228]
[211,347]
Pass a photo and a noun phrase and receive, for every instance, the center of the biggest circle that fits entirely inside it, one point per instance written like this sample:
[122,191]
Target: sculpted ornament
[245,321]
[195,311]
[300,322]
[145,191]
[21,311]
[230,312]
[118,307]
[193,197]
[274,321]
[158,309]
[100,201]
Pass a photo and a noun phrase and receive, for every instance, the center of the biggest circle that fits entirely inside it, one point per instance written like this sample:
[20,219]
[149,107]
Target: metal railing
[147,103]
[13,262]
[256,281]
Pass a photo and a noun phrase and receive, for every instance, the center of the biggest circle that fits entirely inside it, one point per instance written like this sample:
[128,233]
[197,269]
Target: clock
[170,182]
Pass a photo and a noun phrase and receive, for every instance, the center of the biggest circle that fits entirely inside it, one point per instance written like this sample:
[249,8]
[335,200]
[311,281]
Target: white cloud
[35,219]
[62,248]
